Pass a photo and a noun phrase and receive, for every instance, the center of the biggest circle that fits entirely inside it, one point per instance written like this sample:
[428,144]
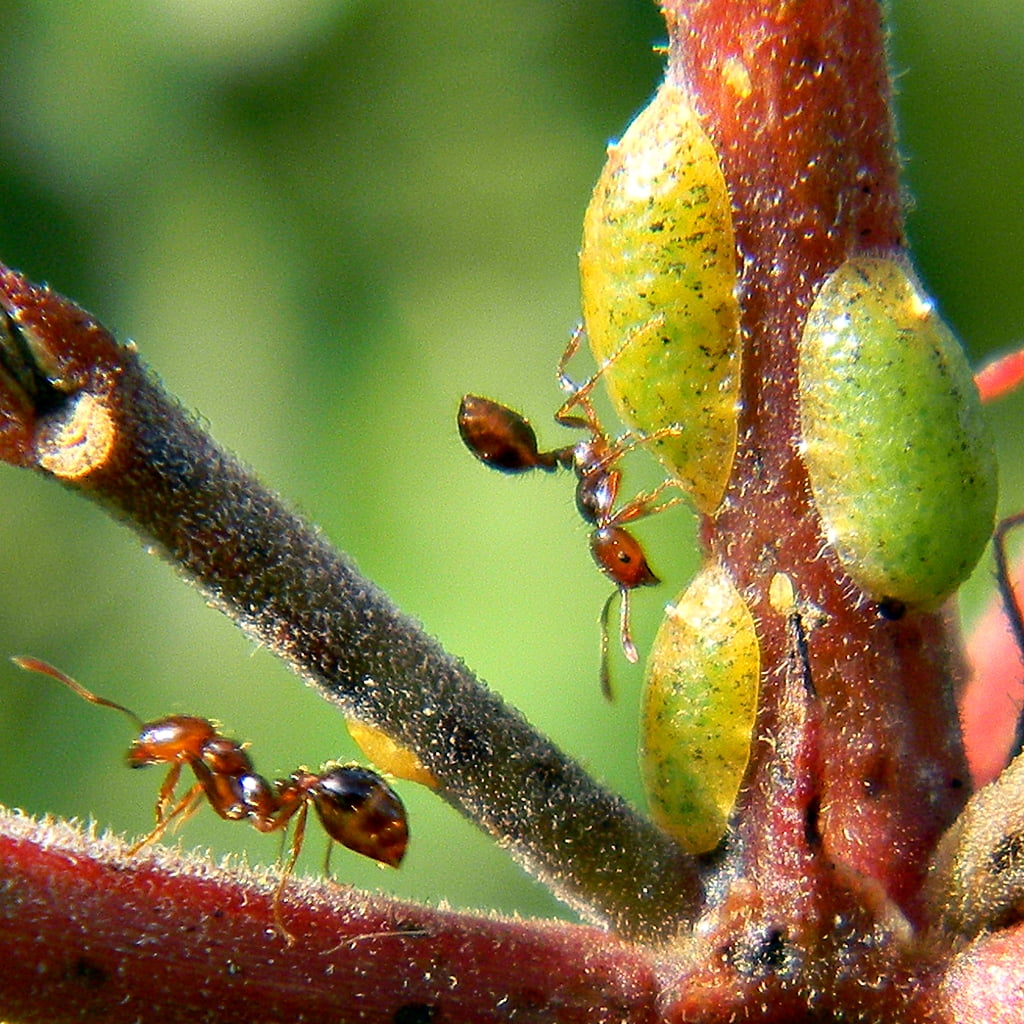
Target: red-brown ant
[503,439]
[355,805]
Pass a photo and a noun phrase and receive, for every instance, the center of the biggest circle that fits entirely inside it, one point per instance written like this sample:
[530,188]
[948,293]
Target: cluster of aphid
[356,807]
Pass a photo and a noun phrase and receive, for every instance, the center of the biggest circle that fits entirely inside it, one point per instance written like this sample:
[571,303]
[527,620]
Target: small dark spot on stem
[765,952]
[1009,854]
[416,1013]
[88,973]
[812,833]
[892,609]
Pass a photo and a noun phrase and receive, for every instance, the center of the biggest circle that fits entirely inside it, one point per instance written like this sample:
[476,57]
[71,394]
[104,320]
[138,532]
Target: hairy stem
[84,410]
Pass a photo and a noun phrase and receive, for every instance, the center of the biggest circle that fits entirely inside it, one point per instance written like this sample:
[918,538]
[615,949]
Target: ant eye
[899,455]
[700,701]
[669,350]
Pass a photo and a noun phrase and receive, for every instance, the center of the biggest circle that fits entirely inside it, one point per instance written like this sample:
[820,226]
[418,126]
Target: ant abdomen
[501,438]
[360,811]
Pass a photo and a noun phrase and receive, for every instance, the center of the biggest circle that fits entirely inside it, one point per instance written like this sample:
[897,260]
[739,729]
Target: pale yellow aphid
[658,275]
[388,755]
[699,707]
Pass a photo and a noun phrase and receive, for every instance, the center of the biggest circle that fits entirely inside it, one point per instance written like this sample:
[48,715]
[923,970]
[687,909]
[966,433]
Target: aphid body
[699,706]
[658,280]
[900,458]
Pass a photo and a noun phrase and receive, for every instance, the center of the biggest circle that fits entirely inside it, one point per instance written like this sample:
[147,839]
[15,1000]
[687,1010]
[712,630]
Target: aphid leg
[1011,602]
[298,836]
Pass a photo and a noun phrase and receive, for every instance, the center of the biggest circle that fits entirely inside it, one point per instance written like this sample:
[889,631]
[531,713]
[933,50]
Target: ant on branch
[505,440]
[356,807]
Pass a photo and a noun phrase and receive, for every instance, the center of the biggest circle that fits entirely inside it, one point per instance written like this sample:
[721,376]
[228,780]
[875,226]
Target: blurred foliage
[322,223]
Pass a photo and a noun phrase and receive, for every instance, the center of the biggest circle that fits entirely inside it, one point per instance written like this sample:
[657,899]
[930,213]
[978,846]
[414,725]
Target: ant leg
[579,394]
[298,836]
[646,503]
[183,809]
[568,385]
[170,784]
[1014,612]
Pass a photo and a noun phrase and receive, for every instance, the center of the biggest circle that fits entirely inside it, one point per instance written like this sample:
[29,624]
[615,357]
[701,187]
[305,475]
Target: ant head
[620,557]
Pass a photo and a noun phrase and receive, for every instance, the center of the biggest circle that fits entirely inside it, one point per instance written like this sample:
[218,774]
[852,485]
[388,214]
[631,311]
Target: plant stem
[83,409]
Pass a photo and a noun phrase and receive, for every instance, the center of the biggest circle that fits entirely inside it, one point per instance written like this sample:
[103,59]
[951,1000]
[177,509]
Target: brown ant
[356,807]
[505,440]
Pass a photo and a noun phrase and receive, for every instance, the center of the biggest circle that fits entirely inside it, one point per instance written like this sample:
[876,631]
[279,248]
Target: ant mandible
[356,807]
[505,440]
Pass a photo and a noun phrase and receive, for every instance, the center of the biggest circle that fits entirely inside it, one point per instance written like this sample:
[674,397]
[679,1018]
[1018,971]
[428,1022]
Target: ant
[505,440]
[356,807]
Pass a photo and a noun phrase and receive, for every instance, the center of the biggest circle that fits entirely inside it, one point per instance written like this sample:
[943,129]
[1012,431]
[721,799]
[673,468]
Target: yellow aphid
[699,707]
[389,756]
[658,276]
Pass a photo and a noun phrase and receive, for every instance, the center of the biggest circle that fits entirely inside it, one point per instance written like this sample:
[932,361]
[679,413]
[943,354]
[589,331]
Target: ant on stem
[356,807]
[505,440]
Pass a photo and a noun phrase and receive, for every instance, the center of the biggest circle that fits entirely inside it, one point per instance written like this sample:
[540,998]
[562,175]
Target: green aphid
[900,458]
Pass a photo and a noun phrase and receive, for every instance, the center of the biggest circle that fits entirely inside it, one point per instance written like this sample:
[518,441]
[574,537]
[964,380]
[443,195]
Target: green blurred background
[322,222]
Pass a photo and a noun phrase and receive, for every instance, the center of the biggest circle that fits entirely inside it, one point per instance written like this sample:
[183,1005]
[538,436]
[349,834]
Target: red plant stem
[869,769]
[88,933]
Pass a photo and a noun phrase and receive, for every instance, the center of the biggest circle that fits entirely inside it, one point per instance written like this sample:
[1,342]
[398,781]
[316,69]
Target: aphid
[505,440]
[658,275]
[699,706]
[898,453]
[356,807]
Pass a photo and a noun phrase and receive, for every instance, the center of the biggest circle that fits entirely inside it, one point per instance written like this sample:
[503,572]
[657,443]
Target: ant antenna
[46,669]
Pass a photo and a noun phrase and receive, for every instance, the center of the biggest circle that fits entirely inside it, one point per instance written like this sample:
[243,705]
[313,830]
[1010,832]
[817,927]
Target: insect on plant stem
[356,807]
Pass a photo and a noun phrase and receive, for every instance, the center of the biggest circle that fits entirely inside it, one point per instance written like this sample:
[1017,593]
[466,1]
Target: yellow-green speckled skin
[699,706]
[900,458]
[658,275]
